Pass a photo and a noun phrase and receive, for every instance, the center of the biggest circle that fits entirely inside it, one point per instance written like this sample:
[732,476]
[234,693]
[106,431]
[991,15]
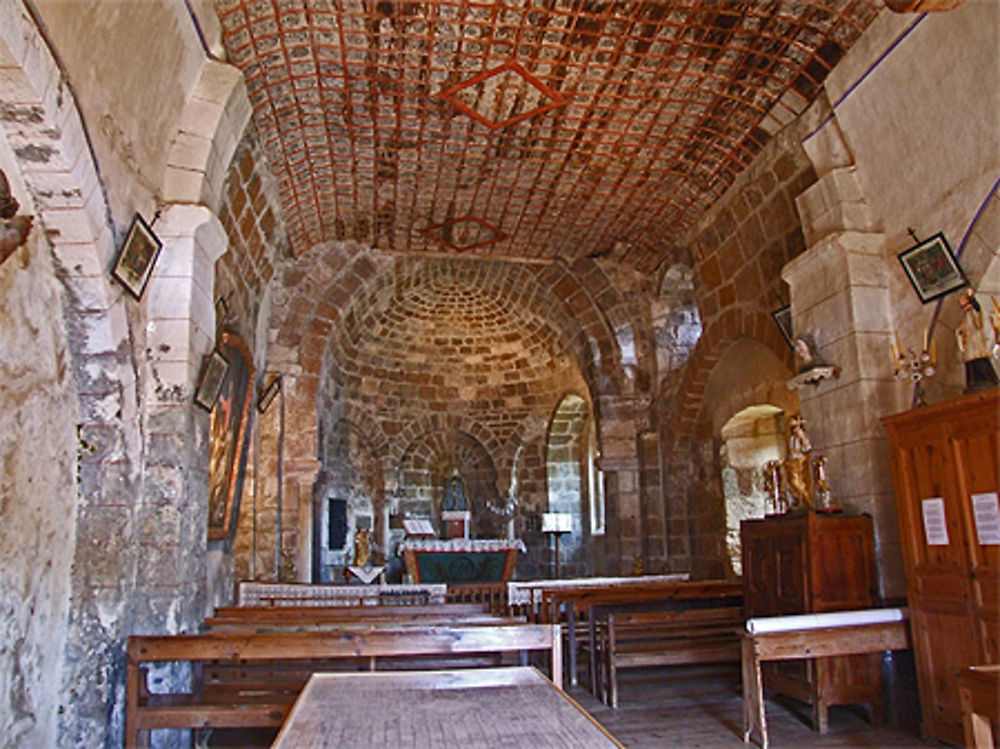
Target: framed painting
[783,319]
[210,383]
[138,255]
[268,394]
[932,268]
[229,441]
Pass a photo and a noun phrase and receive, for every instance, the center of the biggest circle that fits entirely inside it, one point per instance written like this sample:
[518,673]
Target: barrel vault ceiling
[523,130]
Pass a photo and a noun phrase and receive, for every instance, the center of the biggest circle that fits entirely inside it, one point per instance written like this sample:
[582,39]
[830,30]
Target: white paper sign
[986,511]
[935,526]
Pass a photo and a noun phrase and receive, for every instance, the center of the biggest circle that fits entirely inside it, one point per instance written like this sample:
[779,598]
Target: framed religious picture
[212,376]
[783,319]
[138,255]
[268,394]
[229,441]
[932,268]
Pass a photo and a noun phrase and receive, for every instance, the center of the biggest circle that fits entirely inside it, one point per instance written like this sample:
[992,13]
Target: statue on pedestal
[973,341]
[454,497]
[797,469]
[362,547]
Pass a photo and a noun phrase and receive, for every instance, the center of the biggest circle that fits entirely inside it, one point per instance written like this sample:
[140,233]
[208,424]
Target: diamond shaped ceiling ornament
[502,96]
[464,233]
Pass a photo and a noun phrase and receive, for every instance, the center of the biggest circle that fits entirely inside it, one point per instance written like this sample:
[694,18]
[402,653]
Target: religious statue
[973,341]
[797,469]
[772,486]
[824,497]
[454,497]
[362,547]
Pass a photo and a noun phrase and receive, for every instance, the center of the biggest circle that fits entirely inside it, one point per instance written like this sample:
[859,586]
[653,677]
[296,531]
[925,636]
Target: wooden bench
[979,693]
[242,680]
[811,636]
[592,604]
[310,615]
[260,593]
[665,638]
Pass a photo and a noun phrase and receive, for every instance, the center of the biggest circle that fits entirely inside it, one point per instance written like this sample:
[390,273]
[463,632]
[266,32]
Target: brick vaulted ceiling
[524,129]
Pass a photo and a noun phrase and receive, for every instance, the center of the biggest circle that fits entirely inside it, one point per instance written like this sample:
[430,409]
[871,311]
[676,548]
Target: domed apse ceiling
[523,130]
[438,333]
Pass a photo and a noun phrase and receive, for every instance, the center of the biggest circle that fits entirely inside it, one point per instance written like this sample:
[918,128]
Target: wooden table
[474,707]
[815,637]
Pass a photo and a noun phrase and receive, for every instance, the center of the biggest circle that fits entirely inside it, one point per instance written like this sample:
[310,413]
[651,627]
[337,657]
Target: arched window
[568,471]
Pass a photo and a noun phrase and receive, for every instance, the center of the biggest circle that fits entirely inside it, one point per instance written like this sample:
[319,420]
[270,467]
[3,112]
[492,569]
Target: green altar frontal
[460,560]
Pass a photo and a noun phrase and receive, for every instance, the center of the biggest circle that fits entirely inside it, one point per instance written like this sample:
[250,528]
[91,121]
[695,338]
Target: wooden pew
[492,595]
[310,614]
[979,693]
[251,679]
[569,605]
[668,637]
[260,593]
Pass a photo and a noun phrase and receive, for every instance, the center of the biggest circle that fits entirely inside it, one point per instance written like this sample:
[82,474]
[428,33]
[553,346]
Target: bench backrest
[264,624]
[584,599]
[330,644]
[275,613]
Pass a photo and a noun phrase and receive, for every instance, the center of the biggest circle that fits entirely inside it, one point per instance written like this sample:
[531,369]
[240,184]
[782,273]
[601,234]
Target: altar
[460,560]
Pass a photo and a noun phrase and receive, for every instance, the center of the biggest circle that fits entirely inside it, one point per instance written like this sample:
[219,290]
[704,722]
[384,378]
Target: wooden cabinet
[811,563]
[944,464]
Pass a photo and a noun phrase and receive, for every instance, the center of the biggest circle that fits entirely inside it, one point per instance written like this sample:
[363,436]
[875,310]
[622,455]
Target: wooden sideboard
[944,465]
[810,563]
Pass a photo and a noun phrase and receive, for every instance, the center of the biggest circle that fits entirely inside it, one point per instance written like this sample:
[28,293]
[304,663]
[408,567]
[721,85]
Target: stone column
[622,419]
[171,526]
[840,295]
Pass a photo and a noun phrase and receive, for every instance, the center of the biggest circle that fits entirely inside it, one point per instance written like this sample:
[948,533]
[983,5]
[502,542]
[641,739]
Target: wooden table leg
[753,694]
[571,642]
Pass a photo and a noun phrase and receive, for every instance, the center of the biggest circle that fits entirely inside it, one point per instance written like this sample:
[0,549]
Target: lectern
[556,524]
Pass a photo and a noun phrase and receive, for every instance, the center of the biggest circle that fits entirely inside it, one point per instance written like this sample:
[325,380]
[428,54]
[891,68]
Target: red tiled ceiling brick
[617,122]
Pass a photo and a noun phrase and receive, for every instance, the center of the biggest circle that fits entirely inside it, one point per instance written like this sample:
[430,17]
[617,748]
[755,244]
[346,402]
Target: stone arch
[690,389]
[751,438]
[425,466]
[691,441]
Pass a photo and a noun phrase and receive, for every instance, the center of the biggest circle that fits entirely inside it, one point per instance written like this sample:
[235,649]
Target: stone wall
[38,491]
[738,249]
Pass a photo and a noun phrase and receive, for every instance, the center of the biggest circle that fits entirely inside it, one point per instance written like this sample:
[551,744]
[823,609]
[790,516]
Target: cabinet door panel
[790,567]
[976,449]
[948,451]
[941,663]
[843,577]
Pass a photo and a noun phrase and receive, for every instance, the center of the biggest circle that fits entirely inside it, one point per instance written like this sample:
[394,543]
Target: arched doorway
[750,440]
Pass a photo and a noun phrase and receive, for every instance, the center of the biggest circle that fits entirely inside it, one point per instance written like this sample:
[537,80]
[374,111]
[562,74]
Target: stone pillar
[622,419]
[840,295]
[172,520]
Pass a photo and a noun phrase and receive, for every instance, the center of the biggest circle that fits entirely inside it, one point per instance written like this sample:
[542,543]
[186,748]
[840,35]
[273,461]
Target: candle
[899,344]
[925,339]
[892,356]
[933,351]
